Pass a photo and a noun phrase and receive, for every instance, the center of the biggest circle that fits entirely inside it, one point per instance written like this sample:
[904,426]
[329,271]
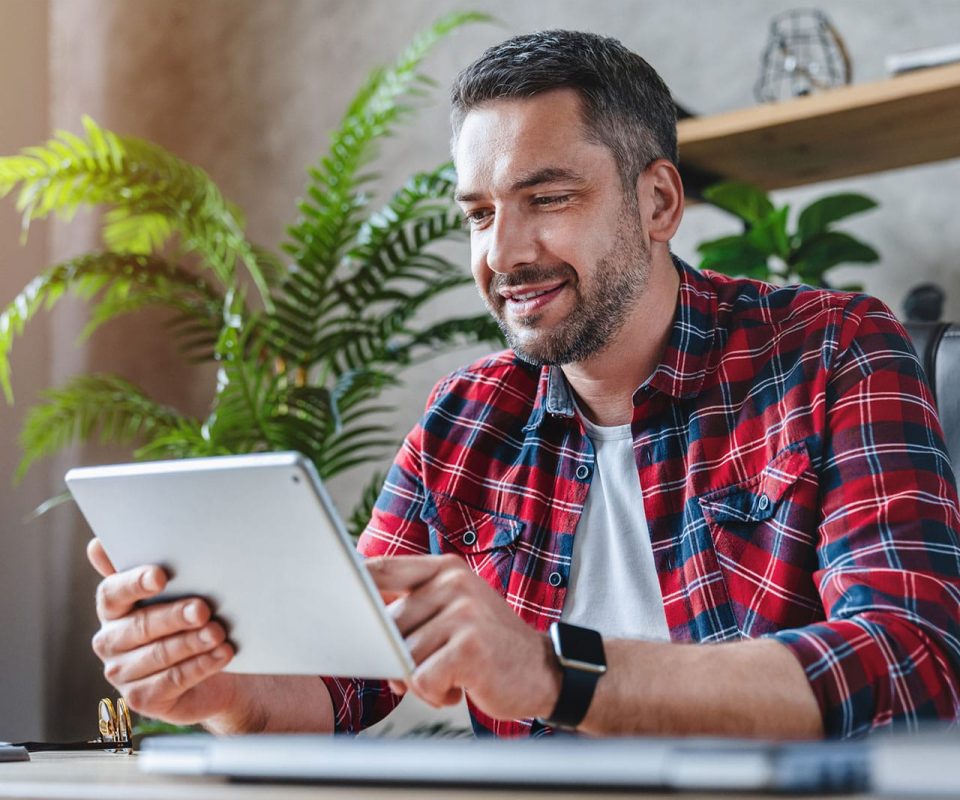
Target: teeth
[529,295]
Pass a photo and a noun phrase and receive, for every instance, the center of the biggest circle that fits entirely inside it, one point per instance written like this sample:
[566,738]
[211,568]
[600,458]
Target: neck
[604,383]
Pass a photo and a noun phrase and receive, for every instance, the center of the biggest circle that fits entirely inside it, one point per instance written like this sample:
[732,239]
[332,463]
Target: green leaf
[769,235]
[735,255]
[130,282]
[150,192]
[816,217]
[828,250]
[118,409]
[741,199]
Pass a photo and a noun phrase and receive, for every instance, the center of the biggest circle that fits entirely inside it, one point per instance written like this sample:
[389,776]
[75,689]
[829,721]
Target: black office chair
[938,345]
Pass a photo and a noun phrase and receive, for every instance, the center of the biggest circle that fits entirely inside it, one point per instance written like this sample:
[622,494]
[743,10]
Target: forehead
[501,139]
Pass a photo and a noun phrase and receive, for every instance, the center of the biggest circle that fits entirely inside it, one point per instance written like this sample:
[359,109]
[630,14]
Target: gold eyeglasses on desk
[116,732]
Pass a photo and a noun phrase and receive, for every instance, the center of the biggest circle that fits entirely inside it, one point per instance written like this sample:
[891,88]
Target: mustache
[533,273]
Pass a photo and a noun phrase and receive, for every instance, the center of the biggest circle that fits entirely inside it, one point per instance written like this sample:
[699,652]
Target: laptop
[551,762]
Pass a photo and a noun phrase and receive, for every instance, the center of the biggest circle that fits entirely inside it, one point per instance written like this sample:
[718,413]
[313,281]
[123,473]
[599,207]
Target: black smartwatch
[579,652]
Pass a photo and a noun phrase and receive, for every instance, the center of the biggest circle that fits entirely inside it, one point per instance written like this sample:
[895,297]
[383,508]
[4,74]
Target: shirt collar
[684,363]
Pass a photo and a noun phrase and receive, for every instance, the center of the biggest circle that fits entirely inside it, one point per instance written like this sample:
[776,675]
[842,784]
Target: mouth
[525,300]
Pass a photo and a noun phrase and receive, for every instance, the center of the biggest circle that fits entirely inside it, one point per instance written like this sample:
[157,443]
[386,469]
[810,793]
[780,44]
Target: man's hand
[165,659]
[464,637]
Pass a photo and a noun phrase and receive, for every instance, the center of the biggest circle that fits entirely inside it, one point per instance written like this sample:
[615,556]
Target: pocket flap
[469,529]
[755,499]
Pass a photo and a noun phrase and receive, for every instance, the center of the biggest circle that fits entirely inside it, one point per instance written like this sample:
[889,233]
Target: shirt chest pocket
[764,532]
[486,540]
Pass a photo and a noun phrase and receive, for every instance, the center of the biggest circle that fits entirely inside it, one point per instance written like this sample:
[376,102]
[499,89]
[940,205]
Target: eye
[476,218]
[551,199]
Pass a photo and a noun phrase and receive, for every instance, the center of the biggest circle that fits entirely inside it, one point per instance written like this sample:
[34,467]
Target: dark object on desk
[805,54]
[924,303]
[13,752]
[938,346]
[114,724]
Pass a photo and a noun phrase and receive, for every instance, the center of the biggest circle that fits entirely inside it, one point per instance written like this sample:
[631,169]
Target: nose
[512,243]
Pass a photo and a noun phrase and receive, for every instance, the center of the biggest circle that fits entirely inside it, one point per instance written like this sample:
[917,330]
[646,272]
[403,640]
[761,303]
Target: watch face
[578,647]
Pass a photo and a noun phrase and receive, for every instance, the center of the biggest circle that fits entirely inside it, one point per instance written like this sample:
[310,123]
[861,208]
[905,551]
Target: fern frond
[186,440]
[118,409]
[122,276]
[249,394]
[330,214]
[390,274]
[375,339]
[460,331]
[152,194]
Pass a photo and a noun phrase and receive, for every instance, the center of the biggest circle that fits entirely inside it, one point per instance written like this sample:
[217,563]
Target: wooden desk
[107,776]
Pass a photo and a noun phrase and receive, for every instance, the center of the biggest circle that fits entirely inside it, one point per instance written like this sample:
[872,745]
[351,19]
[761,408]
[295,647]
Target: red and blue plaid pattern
[795,481]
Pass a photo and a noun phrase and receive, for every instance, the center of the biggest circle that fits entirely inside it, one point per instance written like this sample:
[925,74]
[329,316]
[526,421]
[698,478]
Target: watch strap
[576,694]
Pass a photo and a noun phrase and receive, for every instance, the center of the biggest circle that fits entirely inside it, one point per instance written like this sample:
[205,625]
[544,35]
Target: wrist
[551,682]
[242,712]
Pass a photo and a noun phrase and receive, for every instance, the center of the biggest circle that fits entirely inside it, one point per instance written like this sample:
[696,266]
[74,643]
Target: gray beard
[620,278]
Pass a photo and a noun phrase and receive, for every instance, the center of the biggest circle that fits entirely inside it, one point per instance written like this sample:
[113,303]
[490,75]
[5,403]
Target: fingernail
[192,612]
[206,636]
[222,652]
[151,581]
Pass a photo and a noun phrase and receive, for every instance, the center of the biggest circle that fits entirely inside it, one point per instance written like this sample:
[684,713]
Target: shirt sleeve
[395,528]
[888,549]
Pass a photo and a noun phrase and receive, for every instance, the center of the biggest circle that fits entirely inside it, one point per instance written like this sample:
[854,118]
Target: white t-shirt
[613,580]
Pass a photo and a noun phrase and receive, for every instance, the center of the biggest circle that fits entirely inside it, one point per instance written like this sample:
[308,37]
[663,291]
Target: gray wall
[248,90]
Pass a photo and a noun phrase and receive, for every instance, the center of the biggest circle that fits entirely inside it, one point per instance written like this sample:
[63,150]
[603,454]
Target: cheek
[478,266]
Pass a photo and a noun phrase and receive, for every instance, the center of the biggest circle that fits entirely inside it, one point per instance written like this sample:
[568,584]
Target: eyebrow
[528,181]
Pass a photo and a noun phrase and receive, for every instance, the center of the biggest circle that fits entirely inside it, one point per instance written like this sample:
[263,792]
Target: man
[663,456]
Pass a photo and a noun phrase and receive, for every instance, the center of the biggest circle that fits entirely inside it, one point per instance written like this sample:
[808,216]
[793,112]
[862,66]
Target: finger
[430,637]
[396,575]
[157,693]
[148,625]
[163,654]
[99,558]
[435,682]
[415,609]
[117,593]
[397,687]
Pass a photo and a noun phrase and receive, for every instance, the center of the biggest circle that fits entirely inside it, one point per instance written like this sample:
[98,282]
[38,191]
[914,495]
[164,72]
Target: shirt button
[763,503]
[469,538]
[555,579]
[583,472]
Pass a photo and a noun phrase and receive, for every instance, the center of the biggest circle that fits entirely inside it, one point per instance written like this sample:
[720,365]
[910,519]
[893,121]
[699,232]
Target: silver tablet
[257,536]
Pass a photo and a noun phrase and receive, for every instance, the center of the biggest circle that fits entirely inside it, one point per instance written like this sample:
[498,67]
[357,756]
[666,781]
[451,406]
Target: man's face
[557,247]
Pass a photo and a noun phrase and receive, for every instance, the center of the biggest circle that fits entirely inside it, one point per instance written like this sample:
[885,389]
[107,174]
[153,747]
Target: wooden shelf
[854,130]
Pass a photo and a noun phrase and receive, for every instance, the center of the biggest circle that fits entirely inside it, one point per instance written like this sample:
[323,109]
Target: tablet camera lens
[296,479]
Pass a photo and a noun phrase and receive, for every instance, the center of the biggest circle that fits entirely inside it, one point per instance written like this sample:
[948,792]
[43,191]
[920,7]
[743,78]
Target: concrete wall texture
[248,90]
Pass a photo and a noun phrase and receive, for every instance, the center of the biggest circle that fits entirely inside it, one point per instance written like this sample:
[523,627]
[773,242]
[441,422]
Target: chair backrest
[938,345]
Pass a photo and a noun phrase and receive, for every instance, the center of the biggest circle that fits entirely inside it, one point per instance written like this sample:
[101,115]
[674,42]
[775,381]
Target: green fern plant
[303,361]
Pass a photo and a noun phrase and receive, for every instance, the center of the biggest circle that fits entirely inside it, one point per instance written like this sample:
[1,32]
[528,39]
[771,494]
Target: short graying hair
[626,105]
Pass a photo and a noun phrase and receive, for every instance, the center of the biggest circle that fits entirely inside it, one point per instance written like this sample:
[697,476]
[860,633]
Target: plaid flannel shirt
[795,482]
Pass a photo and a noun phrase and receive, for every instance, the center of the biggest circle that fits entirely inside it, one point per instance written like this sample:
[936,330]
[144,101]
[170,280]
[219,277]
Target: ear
[660,197]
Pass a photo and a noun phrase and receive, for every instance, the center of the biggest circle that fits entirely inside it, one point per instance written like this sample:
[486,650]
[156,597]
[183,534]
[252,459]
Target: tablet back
[257,536]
